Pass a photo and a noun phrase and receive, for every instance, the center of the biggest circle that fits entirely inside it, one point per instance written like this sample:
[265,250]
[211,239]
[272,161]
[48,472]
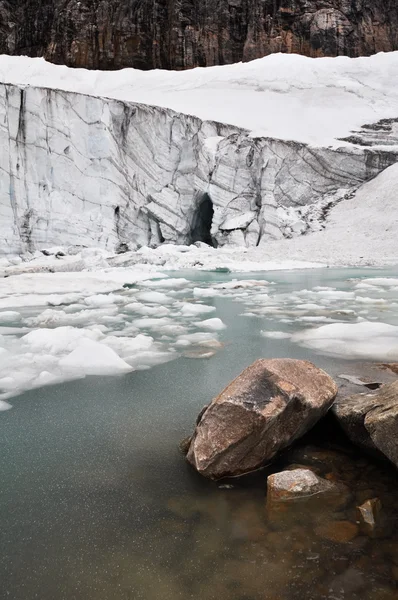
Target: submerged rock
[368,514]
[299,483]
[268,406]
[341,532]
[371,421]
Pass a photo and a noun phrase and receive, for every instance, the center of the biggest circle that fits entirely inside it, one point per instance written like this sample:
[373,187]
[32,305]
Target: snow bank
[358,231]
[332,96]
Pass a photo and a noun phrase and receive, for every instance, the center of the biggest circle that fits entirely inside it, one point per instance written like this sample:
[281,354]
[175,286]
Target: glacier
[81,168]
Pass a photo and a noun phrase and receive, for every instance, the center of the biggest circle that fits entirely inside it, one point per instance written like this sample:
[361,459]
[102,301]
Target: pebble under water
[97,502]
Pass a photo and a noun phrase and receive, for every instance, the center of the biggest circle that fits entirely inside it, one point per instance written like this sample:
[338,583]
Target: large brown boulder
[371,420]
[267,407]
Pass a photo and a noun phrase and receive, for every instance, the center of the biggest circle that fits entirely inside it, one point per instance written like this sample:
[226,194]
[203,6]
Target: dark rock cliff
[177,34]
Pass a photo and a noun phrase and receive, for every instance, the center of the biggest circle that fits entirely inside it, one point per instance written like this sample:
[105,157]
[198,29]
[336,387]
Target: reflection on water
[96,502]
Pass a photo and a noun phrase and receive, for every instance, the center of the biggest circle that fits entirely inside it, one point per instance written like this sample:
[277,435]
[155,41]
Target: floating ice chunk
[4,405]
[150,358]
[336,295]
[173,330]
[276,335]
[13,330]
[366,340]
[152,323]
[159,311]
[264,298]
[205,292]
[315,319]
[190,310]
[7,384]
[212,324]
[241,283]
[365,300]
[58,340]
[46,378]
[309,306]
[154,298]
[58,299]
[9,316]
[366,286]
[94,358]
[169,283]
[133,306]
[383,281]
[202,338]
[52,317]
[124,346]
[103,300]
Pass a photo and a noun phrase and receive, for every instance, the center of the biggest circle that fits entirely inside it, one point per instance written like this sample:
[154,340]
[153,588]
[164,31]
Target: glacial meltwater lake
[98,503]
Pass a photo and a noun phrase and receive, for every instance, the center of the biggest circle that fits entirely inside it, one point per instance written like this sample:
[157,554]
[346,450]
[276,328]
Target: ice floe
[366,340]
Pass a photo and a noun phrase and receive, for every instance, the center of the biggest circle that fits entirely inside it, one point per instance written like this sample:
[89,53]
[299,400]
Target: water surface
[97,503]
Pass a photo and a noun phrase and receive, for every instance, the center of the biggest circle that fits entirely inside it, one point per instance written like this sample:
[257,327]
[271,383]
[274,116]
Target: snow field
[333,96]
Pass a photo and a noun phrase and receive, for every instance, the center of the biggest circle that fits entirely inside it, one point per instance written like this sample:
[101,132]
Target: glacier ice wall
[83,170]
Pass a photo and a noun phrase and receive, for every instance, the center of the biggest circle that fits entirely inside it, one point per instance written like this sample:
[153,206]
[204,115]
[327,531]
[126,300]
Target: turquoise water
[96,502]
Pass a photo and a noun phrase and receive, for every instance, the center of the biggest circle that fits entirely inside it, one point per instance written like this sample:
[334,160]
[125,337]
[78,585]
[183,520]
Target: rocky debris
[371,385]
[368,515]
[391,367]
[371,421]
[341,532]
[109,34]
[266,408]
[296,484]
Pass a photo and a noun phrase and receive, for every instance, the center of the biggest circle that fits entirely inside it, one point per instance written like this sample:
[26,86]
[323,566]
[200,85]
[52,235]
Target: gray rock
[371,421]
[265,409]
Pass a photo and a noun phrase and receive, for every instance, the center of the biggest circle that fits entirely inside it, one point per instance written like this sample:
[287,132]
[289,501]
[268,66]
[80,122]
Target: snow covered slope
[291,97]
[102,169]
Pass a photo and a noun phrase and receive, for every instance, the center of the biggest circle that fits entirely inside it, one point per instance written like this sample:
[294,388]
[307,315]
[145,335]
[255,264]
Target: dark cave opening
[202,221]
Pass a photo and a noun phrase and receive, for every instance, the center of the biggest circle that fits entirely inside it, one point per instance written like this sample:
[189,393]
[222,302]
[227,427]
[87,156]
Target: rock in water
[267,407]
[371,421]
[297,484]
[368,515]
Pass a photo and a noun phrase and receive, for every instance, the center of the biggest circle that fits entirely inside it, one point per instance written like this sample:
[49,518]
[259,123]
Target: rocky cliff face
[83,170]
[178,34]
